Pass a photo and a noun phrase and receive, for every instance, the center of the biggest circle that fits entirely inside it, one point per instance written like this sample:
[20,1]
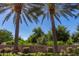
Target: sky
[26,31]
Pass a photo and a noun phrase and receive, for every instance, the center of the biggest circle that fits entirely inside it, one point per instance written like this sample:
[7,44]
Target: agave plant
[21,12]
[55,11]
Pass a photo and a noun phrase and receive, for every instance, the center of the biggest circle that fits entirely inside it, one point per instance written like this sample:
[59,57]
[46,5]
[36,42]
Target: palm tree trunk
[16,33]
[54,36]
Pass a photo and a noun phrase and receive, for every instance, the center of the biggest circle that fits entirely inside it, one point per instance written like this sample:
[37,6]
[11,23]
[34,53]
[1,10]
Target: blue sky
[26,31]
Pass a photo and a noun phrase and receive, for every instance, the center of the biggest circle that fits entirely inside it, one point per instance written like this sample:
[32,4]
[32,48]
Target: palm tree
[38,31]
[62,33]
[39,35]
[55,11]
[21,12]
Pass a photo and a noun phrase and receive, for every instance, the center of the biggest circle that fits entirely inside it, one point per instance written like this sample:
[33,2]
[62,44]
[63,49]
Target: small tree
[5,36]
[75,36]
[32,39]
[62,33]
[21,41]
[37,37]
[49,36]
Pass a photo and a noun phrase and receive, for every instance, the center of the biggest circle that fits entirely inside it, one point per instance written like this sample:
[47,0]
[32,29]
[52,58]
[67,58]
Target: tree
[38,32]
[62,33]
[32,39]
[21,41]
[49,36]
[40,36]
[56,11]
[37,36]
[21,12]
[75,36]
[5,36]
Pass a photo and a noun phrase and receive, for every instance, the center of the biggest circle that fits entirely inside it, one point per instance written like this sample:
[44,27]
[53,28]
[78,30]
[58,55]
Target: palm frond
[57,14]
[73,6]
[7,17]
[24,19]
[69,13]
[28,17]
[14,18]
[34,17]
[39,13]
[48,15]
[64,15]
[36,5]
[44,16]
[35,9]
[77,15]
[57,18]
[29,12]
[2,10]
[20,19]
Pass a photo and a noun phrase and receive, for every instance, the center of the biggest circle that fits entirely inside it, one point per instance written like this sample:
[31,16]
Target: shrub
[8,54]
[77,51]
[29,44]
[20,53]
[39,54]
[51,54]
[10,42]
[21,41]
[49,43]
[69,41]
[62,33]
[60,43]
[5,35]
[61,54]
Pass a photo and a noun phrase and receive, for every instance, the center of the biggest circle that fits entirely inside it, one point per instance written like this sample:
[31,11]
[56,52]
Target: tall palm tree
[55,11]
[21,12]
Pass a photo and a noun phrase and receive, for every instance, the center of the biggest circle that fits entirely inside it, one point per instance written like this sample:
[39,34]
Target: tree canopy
[5,35]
